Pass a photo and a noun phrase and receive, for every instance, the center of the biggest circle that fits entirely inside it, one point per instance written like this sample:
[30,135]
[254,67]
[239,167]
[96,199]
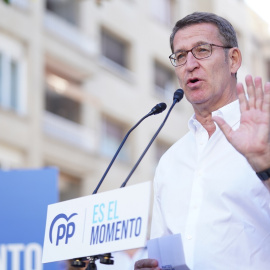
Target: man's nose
[192,62]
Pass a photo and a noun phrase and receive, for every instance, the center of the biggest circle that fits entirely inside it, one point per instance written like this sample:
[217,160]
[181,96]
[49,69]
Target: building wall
[62,60]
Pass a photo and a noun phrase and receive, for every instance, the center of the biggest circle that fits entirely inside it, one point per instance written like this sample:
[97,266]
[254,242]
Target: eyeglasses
[199,52]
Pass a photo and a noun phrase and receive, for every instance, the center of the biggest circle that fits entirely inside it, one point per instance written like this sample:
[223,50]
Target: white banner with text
[97,224]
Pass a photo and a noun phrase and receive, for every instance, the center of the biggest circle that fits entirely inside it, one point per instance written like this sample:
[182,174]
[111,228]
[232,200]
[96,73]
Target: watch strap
[264,175]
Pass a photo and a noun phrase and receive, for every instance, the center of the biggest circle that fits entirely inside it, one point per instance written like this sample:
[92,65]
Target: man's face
[207,83]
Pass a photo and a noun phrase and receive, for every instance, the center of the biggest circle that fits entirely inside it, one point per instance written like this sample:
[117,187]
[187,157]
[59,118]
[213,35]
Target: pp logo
[65,229]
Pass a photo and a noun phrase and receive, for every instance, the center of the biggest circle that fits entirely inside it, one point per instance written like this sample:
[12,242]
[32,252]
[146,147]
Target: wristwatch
[264,175]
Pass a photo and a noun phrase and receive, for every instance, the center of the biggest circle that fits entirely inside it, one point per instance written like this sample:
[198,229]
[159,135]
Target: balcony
[23,4]
[69,132]
[69,33]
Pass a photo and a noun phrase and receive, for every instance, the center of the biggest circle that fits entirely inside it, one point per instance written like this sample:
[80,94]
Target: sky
[261,7]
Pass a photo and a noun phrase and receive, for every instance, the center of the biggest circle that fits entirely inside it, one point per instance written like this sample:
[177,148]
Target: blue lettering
[117,230]
[98,217]
[59,235]
[70,234]
[138,227]
[115,209]
[95,213]
[101,212]
[124,229]
[114,231]
[131,220]
[110,232]
[94,235]
[110,210]
[102,233]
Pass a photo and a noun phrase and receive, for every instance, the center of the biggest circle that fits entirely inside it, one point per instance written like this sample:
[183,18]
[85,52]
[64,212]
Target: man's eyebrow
[194,45]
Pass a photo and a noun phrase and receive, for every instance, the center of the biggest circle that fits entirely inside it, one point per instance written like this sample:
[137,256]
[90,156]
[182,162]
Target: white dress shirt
[207,191]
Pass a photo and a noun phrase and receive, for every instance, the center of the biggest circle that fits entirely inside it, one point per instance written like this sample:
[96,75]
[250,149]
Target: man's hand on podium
[146,264]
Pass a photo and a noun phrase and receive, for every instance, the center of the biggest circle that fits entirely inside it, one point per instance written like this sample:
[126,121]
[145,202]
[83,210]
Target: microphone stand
[157,109]
[178,95]
[106,258]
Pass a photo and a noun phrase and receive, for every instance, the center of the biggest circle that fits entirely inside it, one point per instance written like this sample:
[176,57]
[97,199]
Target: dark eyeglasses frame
[191,50]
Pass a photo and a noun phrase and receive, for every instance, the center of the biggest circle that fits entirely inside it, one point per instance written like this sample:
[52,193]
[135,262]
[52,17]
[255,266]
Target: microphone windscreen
[159,108]
[178,95]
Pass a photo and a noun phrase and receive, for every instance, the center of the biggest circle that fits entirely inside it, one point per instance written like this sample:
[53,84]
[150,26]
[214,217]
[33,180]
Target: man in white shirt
[206,186]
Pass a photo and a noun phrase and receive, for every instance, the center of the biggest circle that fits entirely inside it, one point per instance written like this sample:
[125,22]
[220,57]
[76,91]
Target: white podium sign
[97,224]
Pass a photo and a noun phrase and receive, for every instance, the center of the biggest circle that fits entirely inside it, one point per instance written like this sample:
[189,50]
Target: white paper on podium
[97,224]
[168,251]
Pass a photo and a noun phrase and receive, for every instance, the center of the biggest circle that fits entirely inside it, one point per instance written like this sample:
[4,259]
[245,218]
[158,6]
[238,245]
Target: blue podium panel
[24,197]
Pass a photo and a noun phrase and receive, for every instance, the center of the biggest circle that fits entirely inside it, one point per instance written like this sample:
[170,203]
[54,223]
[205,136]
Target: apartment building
[76,75]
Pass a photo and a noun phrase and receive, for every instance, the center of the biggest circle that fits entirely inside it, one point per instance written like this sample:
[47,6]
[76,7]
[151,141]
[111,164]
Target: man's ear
[235,58]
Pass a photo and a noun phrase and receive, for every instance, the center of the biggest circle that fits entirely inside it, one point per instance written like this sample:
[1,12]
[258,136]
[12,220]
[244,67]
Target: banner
[24,197]
[97,224]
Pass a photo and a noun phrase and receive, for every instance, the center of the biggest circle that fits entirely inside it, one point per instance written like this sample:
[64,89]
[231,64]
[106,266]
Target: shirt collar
[230,113]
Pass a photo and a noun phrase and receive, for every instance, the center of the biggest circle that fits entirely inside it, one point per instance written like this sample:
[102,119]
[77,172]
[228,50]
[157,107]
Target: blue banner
[24,197]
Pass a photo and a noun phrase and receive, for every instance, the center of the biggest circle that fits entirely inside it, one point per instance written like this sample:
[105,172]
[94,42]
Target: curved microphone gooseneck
[155,110]
[178,95]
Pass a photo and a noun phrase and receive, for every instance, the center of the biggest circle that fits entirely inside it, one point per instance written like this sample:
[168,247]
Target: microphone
[178,95]
[105,258]
[155,110]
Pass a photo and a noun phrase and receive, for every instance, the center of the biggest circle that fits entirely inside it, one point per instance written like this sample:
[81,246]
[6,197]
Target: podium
[97,224]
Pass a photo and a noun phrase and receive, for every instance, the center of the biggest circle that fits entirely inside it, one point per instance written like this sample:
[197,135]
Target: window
[12,76]
[114,49]
[24,4]
[62,106]
[164,80]
[10,158]
[9,89]
[61,99]
[1,77]
[14,87]
[9,83]
[162,10]
[69,187]
[66,9]
[112,135]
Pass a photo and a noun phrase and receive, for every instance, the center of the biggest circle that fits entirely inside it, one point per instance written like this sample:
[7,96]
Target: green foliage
[6,1]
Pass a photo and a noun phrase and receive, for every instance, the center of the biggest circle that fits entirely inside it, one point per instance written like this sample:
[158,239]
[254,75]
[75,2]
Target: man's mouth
[193,81]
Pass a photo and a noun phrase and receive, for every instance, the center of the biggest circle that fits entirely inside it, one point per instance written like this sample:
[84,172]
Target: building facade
[75,76]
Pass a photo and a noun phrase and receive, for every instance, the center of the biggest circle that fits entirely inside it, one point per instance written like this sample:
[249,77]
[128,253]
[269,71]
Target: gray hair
[226,30]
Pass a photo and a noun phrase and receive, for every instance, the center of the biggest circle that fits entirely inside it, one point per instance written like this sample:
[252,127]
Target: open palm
[252,138]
